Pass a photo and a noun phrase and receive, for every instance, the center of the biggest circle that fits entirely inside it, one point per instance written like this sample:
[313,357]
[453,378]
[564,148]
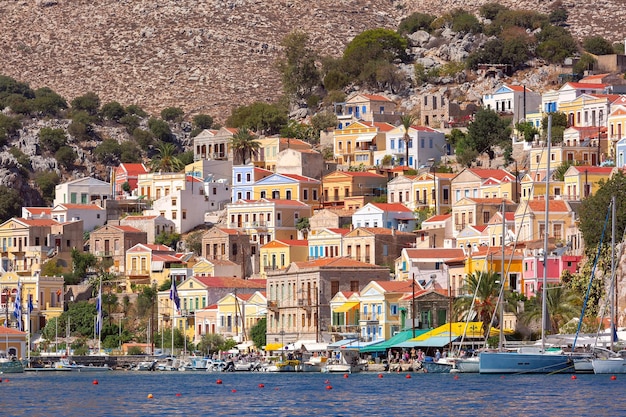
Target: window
[314,195]
[394,309]
[393,144]
[234,249]
[173,202]
[248,177]
[173,215]
[305,195]
[263,194]
[486,217]
[334,288]
[184,214]
[214,190]
[238,178]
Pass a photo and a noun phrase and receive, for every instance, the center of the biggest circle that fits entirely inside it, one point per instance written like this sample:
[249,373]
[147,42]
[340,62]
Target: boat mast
[613,275]
[544,292]
[501,294]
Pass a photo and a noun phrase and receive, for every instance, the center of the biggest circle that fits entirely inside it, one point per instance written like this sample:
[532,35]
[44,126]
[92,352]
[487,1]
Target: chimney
[393,231]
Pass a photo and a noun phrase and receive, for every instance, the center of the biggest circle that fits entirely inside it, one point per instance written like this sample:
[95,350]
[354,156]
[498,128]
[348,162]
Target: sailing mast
[501,295]
[613,275]
[544,292]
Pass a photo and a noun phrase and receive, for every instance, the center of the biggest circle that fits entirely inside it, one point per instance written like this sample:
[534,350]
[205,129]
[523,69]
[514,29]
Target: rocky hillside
[202,56]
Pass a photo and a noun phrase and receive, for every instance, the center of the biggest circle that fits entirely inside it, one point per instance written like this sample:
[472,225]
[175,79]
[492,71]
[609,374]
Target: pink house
[127,173]
[533,270]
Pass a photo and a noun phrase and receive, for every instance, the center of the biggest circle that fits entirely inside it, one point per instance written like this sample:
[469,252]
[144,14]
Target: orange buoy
[408,376]
[573,376]
[149,395]
[613,377]
[218,382]
[345,375]
[95,382]
[329,387]
[380,375]
[261,386]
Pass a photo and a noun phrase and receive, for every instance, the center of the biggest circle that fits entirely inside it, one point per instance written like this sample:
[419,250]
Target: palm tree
[407,121]
[166,160]
[244,145]
[488,286]
[562,305]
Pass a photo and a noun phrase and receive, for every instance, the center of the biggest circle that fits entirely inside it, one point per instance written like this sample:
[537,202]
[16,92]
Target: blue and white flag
[17,311]
[174,294]
[30,303]
[99,312]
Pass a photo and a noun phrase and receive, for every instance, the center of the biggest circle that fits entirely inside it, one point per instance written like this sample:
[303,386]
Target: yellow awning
[273,346]
[347,306]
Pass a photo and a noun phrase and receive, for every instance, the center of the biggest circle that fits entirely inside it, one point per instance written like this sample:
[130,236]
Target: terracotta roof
[376,97]
[335,263]
[432,253]
[498,174]
[392,207]
[594,169]
[489,200]
[165,258]
[38,210]
[131,217]
[348,294]
[133,169]
[423,128]
[37,222]
[361,174]
[294,141]
[10,331]
[300,178]
[244,296]
[158,248]
[285,242]
[439,218]
[518,88]
[229,231]
[396,286]
[230,282]
[284,202]
[559,206]
[383,231]
[129,229]
[221,262]
[582,86]
[82,206]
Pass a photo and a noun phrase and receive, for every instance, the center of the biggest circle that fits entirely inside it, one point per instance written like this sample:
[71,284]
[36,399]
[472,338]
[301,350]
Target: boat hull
[11,367]
[437,367]
[526,363]
[609,366]
[468,366]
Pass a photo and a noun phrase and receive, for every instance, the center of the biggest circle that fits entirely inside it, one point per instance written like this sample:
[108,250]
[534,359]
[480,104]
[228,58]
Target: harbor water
[282,394]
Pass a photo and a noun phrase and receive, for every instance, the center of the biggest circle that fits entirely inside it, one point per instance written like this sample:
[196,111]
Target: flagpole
[99,315]
[173,313]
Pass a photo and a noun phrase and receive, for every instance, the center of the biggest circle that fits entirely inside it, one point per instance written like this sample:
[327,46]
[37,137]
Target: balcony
[349,328]
[108,254]
[250,225]
[138,272]
[368,319]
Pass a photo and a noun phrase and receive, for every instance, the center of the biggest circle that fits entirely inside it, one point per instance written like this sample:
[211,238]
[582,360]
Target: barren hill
[202,56]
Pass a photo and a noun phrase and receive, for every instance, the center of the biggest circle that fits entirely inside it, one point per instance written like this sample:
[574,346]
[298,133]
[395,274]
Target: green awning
[394,340]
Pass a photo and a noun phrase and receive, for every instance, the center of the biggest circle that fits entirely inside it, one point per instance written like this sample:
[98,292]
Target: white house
[92,215]
[515,100]
[388,215]
[399,190]
[425,143]
[82,191]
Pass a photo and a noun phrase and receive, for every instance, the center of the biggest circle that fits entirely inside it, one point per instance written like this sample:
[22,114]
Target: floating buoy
[326,382]
[218,382]
[233,390]
[149,395]
[178,394]
[261,386]
[6,380]
[573,376]
[408,376]
[276,389]
[456,377]
[329,387]
[380,375]
[613,377]
[345,375]
[95,382]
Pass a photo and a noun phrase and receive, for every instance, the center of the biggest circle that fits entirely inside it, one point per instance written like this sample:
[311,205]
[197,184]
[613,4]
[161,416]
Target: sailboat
[615,363]
[529,359]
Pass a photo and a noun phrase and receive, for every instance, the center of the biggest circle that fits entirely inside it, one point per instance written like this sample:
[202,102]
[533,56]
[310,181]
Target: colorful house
[352,190]
[237,313]
[345,307]
[425,145]
[432,190]
[279,253]
[581,182]
[360,143]
[389,215]
[127,173]
[288,187]
[557,263]
[244,178]
[147,264]
[484,183]
[326,243]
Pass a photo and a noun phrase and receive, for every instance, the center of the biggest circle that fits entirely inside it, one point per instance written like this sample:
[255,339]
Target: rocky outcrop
[207,56]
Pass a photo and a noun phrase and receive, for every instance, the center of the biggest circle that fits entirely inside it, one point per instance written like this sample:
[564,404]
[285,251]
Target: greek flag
[30,303]
[174,294]
[17,311]
[99,312]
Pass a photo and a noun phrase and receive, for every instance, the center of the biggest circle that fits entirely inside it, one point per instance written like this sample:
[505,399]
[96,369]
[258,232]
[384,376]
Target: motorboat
[312,363]
[10,365]
[195,364]
[345,361]
[469,365]
[611,365]
[64,364]
[145,366]
[289,365]
[441,366]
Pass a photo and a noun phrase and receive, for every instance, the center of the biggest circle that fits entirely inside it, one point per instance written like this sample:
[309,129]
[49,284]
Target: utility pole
[413,306]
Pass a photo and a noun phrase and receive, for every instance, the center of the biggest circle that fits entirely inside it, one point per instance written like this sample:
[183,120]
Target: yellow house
[345,306]
[288,187]
[579,146]
[326,243]
[270,147]
[616,123]
[484,183]
[147,264]
[489,259]
[357,143]
[279,254]
[477,211]
[352,190]
[238,313]
[530,220]
[380,309]
[533,185]
[265,220]
[216,268]
[432,190]
[581,182]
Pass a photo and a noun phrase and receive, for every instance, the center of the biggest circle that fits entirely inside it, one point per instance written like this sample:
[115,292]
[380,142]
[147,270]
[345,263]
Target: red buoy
[345,375]
[178,394]
[613,377]
[233,390]
[261,386]
[95,382]
[408,376]
[329,387]
[380,375]
[456,377]
[573,376]
[218,382]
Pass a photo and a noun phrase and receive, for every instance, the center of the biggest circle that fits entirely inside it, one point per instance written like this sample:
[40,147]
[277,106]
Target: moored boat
[442,366]
[10,365]
[611,365]
[468,365]
[64,364]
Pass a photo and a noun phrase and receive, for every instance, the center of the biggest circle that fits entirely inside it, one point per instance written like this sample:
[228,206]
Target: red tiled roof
[375,97]
[396,286]
[559,206]
[392,207]
[37,222]
[165,258]
[594,169]
[498,174]
[82,206]
[338,231]
[423,128]
[10,331]
[383,231]
[439,218]
[230,282]
[583,86]
[300,178]
[244,296]
[335,263]
[39,210]
[284,202]
[432,253]
[361,174]
[133,169]
[229,231]
[129,229]
[489,200]
[518,88]
[158,248]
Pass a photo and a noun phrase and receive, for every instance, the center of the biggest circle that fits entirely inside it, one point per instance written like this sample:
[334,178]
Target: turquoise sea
[121,393]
